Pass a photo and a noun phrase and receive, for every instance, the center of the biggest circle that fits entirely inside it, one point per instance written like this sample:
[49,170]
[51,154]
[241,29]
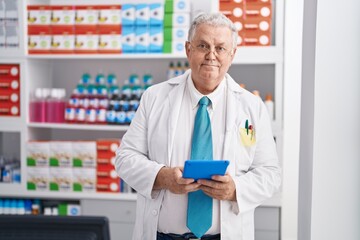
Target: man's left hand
[220,187]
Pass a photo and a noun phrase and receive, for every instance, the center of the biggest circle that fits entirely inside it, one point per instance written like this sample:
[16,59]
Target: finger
[220,178]
[185,181]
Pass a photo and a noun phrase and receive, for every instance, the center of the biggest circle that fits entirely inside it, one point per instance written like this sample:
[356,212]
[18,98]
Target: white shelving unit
[65,70]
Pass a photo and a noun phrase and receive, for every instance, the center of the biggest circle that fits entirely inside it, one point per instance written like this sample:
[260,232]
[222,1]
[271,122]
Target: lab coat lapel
[231,115]
[175,98]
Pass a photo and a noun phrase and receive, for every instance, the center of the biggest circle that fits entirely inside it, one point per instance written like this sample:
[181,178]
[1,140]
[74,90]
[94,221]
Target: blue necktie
[199,212]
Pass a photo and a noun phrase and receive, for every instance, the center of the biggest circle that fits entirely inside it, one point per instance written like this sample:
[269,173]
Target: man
[162,135]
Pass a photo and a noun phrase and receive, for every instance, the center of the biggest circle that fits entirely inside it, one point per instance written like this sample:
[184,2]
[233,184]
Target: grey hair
[213,19]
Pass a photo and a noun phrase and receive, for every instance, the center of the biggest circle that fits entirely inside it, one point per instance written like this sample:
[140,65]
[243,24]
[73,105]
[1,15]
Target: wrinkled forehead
[212,34]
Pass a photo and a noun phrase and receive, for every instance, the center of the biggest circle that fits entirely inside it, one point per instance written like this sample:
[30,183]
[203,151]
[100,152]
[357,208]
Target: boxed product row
[9,89]
[61,179]
[62,166]
[253,20]
[127,14]
[70,153]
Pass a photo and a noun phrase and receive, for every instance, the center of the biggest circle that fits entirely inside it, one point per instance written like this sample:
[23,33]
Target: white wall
[292,101]
[335,127]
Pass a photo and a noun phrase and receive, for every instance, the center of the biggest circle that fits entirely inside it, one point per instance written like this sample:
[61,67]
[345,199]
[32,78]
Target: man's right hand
[171,179]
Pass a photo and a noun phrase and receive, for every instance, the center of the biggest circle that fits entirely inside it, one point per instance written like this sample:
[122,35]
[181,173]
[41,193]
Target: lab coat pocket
[247,133]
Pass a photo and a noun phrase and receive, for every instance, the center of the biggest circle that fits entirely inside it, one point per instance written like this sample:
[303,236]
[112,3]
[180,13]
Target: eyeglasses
[219,51]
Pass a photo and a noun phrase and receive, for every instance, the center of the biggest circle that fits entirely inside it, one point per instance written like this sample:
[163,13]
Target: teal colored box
[128,39]
[142,14]
[156,39]
[128,14]
[156,14]
[142,41]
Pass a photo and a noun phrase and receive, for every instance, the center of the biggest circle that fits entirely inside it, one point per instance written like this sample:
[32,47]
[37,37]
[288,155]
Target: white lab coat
[147,145]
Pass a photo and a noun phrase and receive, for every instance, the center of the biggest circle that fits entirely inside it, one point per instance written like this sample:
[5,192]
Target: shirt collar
[195,95]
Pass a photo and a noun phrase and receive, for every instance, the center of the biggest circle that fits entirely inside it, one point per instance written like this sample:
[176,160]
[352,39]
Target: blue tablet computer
[204,169]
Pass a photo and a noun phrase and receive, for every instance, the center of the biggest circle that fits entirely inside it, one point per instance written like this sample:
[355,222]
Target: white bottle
[269,103]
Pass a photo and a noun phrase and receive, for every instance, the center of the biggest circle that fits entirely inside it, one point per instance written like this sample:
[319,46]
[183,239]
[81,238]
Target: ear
[233,54]
[187,48]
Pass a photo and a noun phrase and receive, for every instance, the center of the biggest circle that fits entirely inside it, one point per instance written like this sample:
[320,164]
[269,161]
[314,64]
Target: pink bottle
[55,106]
[38,105]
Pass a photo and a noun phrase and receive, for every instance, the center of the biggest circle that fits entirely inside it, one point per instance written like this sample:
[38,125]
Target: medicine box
[63,40]
[39,39]
[142,40]
[86,15]
[142,14]
[172,6]
[177,20]
[110,39]
[63,15]
[38,15]
[84,154]
[61,179]
[37,153]
[174,47]
[109,185]
[156,14]
[156,39]
[109,15]
[60,154]
[128,15]
[37,178]
[84,179]
[175,34]
[86,40]
[128,39]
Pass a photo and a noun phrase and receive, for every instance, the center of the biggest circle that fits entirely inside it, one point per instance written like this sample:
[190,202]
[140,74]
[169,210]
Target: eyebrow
[219,44]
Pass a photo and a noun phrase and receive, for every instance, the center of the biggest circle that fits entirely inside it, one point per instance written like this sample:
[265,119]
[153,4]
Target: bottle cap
[268,97]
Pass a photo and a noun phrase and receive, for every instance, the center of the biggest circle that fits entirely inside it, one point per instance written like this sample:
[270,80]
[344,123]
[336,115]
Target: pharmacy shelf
[92,127]
[11,53]
[276,128]
[17,191]
[244,55]
[107,56]
[258,55]
[13,190]
[11,124]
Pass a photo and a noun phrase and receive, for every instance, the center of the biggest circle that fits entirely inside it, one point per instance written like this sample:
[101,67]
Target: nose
[210,55]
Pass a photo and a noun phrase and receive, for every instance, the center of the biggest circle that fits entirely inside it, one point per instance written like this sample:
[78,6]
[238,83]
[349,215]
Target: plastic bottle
[1,206]
[6,208]
[81,109]
[55,106]
[20,207]
[186,67]
[147,81]
[71,106]
[122,109]
[269,103]
[178,69]
[171,71]
[2,167]
[90,114]
[126,89]
[35,208]
[28,206]
[38,105]
[113,106]
[103,104]
[136,88]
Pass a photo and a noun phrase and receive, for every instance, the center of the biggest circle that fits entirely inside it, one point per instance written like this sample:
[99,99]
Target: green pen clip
[247,127]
